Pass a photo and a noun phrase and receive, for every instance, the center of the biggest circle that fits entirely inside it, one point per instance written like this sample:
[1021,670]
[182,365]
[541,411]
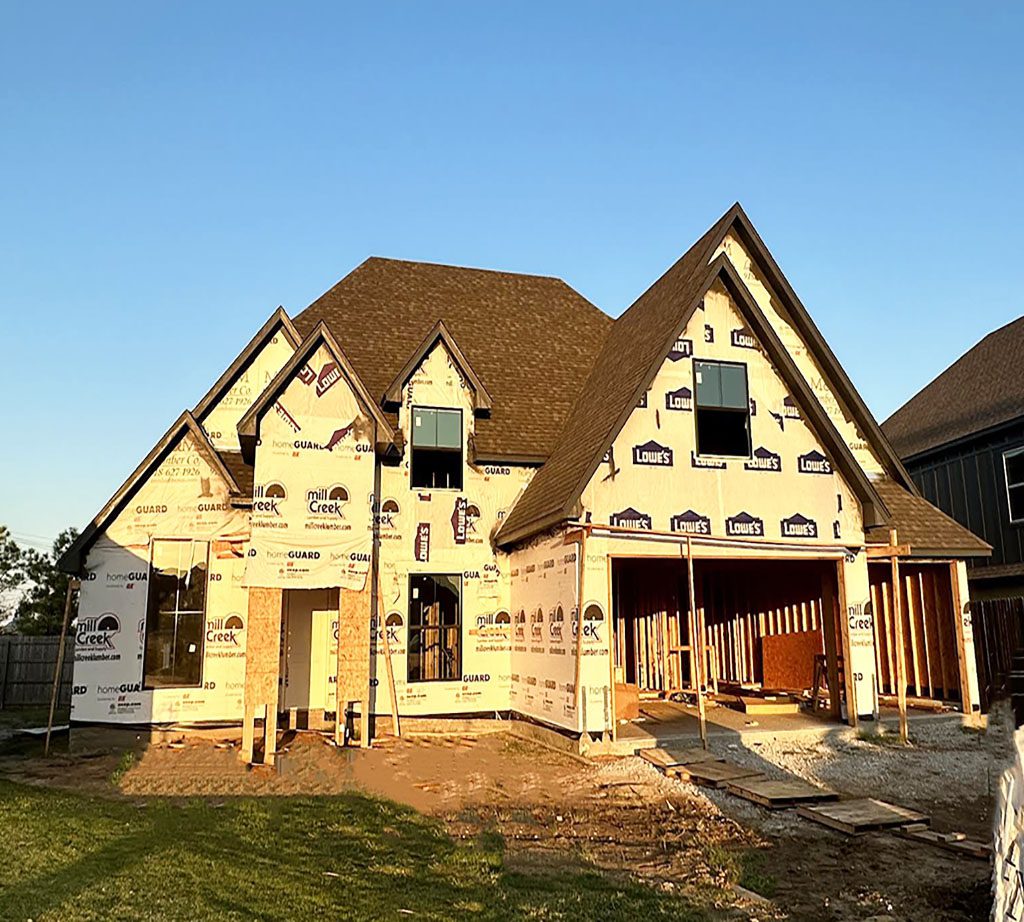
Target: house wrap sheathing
[484,480]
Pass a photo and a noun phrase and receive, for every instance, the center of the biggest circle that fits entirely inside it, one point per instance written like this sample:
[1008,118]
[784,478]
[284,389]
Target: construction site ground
[620,816]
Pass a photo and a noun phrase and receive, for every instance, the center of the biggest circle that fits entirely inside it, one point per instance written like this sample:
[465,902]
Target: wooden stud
[959,617]
[697,632]
[844,633]
[901,650]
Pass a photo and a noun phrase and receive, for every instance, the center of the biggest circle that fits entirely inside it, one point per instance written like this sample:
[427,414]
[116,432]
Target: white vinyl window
[1013,465]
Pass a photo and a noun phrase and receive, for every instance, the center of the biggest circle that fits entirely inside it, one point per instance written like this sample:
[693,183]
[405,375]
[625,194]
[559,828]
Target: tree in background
[10,572]
[41,607]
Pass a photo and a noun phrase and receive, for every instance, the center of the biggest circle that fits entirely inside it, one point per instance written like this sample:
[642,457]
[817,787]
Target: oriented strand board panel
[788,659]
[861,815]
[779,794]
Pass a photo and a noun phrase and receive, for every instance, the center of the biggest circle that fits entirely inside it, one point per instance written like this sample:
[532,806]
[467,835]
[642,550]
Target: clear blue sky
[170,173]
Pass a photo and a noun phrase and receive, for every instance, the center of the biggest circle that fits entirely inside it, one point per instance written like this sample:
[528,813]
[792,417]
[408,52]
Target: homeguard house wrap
[462,492]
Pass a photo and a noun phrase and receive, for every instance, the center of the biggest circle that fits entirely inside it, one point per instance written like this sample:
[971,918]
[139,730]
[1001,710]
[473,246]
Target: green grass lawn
[72,857]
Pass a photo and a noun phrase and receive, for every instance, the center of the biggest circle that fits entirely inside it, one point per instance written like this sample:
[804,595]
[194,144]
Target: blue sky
[170,173]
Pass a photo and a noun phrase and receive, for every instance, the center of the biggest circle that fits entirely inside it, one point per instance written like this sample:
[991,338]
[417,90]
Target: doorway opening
[309,658]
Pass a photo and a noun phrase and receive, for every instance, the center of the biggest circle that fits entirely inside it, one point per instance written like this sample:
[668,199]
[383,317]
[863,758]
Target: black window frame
[452,451]
[151,612]
[421,629]
[738,411]
[1018,487]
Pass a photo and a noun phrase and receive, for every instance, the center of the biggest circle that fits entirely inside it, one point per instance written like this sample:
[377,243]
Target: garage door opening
[768,630]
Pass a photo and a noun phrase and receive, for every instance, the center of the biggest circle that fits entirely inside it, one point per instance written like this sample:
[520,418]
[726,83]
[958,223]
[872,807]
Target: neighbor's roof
[928,531]
[981,389]
[531,339]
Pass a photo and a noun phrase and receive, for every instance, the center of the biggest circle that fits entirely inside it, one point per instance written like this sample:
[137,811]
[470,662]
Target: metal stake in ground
[72,586]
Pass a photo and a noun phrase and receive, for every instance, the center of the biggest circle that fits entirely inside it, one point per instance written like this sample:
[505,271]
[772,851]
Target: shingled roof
[531,339]
[981,389]
[928,531]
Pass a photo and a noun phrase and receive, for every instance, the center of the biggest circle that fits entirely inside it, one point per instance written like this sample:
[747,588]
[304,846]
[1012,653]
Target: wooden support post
[844,631]
[392,691]
[59,669]
[961,647]
[578,692]
[901,650]
[270,736]
[696,631]
[829,625]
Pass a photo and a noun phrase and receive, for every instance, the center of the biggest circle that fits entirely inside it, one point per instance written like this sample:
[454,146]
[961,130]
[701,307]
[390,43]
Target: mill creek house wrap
[483,477]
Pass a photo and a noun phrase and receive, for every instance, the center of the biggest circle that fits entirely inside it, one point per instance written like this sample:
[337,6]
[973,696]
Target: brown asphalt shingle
[640,336]
[922,526]
[981,389]
[531,339]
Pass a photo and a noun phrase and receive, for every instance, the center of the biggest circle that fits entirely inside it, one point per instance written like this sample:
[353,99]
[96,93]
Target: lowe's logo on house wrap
[744,525]
[681,399]
[690,523]
[97,633]
[710,464]
[743,338]
[799,526]
[267,496]
[630,518]
[763,460]
[789,408]
[681,349]
[814,462]
[652,453]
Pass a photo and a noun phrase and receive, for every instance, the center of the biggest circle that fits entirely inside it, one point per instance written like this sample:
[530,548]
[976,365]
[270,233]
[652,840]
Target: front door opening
[309,658]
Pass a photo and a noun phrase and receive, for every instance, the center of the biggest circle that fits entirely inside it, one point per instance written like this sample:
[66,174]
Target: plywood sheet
[777,794]
[713,774]
[861,815]
[788,659]
[671,758]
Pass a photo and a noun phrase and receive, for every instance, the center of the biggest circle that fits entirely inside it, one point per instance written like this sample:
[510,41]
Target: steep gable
[632,355]
[653,478]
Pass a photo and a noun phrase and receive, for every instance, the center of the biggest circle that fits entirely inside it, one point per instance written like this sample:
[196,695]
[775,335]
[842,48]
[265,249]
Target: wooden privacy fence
[998,634]
[26,670]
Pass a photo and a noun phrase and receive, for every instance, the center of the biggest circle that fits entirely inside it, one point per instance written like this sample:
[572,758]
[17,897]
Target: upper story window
[1013,464]
[175,614]
[436,449]
[722,409]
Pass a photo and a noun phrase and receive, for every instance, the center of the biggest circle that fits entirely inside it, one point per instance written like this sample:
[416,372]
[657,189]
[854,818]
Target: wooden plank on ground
[956,842]
[776,794]
[780,704]
[712,774]
[861,814]
[670,758]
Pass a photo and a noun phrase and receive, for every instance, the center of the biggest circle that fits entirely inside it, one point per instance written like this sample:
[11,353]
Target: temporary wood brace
[697,629]
[73,584]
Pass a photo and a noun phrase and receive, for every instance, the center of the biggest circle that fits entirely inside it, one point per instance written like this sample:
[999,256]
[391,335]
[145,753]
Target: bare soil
[624,817]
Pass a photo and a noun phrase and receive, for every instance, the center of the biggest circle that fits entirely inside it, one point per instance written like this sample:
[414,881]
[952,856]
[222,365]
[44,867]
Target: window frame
[737,410]
[461,449]
[1012,453]
[421,629]
[147,686]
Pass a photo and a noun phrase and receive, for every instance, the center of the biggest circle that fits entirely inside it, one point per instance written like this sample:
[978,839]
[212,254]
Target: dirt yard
[625,818]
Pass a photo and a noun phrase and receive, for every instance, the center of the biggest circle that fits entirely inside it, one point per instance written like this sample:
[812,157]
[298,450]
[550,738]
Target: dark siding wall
[968,483]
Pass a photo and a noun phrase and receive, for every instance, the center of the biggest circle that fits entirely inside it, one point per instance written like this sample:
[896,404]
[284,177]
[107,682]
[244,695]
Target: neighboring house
[962,439]
[478,483]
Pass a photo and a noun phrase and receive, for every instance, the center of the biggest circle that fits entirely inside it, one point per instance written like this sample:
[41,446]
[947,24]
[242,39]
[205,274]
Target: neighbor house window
[435,628]
[1013,464]
[722,409]
[175,614]
[436,449]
